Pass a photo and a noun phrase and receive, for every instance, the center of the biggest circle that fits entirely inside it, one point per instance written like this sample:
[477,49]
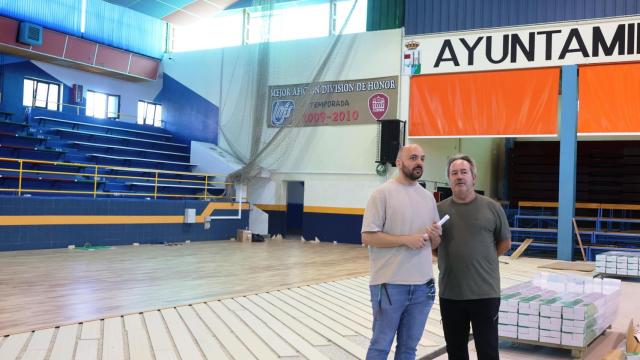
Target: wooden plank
[358,288]
[248,337]
[516,254]
[113,339]
[65,343]
[187,348]
[39,345]
[320,328]
[236,349]
[297,326]
[12,345]
[305,348]
[270,338]
[352,313]
[161,342]
[87,349]
[209,345]
[575,226]
[328,312]
[325,320]
[139,347]
[346,303]
[91,330]
[336,290]
[363,298]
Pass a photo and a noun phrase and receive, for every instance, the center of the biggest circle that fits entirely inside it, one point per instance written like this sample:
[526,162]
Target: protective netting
[269,147]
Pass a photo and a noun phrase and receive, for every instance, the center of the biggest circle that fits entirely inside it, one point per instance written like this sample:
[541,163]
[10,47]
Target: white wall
[337,163]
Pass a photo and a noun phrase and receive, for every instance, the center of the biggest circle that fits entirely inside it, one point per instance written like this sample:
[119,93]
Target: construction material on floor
[570,265]
[556,310]
[619,263]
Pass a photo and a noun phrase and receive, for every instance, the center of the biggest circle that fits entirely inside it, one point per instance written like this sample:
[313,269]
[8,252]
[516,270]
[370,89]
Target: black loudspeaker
[391,137]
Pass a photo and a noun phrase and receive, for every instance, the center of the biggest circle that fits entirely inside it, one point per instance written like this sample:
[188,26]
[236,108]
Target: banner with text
[348,102]
[549,45]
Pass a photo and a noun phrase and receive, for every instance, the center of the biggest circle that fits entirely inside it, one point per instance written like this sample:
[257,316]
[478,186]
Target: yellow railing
[160,179]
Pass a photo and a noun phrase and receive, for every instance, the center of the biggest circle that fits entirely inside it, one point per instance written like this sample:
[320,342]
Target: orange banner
[499,103]
[609,99]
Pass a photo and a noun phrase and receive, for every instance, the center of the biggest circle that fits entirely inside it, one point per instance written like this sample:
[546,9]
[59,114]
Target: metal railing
[98,174]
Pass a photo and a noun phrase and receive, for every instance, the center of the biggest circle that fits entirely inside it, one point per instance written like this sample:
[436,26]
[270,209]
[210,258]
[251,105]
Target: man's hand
[433,234]
[416,241]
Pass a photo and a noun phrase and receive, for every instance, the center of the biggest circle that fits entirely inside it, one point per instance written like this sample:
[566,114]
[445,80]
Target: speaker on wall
[391,134]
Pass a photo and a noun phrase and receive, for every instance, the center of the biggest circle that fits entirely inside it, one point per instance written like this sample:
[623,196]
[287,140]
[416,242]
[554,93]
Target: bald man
[400,228]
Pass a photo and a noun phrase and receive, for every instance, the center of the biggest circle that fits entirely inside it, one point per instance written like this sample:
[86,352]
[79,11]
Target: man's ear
[398,163]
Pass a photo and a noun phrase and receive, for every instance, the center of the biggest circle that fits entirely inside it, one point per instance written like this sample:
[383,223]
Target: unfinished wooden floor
[219,300]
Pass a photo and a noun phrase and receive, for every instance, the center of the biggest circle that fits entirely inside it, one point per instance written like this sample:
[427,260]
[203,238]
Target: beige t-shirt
[399,209]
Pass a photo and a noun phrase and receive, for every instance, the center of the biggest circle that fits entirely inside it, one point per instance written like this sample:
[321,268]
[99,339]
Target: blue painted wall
[277,222]
[433,16]
[188,115]
[28,237]
[14,70]
[333,227]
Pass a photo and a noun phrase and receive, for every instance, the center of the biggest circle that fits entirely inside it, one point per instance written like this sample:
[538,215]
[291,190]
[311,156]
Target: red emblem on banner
[378,105]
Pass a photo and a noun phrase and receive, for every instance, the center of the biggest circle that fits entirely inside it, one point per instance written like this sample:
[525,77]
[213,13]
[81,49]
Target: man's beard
[413,174]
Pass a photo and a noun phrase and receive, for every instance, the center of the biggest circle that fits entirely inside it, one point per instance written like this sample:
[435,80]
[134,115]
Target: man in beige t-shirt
[400,227]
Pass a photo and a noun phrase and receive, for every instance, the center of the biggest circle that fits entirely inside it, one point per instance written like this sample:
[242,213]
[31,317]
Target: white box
[633,260]
[189,216]
[573,339]
[621,271]
[601,257]
[530,321]
[527,333]
[508,331]
[633,272]
[583,307]
[550,324]
[551,337]
[611,270]
[601,269]
[507,318]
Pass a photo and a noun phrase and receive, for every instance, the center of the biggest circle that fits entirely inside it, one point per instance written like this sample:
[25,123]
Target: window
[100,105]
[357,21]
[149,113]
[42,94]
[227,28]
[279,22]
[298,22]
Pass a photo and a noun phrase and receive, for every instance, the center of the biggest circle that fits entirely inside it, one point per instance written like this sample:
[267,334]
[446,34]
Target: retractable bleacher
[85,156]
[602,226]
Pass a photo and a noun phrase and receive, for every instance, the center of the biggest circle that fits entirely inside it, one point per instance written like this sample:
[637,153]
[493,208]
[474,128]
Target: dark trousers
[483,316]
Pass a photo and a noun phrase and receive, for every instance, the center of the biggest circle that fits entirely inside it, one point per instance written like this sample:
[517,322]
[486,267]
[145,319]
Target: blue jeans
[403,309]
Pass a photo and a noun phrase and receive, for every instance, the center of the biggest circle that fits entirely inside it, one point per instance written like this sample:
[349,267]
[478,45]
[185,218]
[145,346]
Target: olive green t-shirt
[467,257]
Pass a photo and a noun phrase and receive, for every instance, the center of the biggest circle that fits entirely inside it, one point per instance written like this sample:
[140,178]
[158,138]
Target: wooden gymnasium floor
[213,300]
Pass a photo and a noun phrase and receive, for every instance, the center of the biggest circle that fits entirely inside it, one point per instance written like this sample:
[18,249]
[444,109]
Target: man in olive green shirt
[476,234]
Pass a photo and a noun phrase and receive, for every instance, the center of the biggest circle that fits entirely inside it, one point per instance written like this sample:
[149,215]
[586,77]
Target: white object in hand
[443,220]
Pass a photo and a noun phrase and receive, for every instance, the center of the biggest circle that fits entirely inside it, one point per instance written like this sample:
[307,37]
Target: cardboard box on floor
[632,346]
[243,235]
[633,342]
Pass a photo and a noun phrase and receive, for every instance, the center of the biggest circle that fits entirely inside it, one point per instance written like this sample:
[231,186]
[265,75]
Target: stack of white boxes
[558,309]
[618,263]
